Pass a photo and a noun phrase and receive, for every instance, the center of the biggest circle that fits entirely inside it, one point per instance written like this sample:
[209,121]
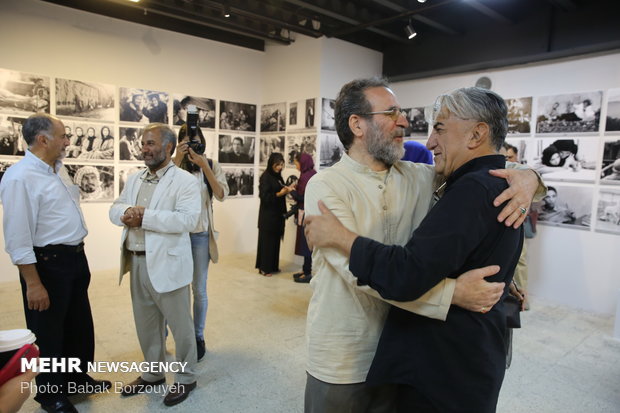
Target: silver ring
[483,310]
[523,210]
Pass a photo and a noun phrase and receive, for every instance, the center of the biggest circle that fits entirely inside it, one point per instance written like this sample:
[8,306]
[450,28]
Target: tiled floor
[563,361]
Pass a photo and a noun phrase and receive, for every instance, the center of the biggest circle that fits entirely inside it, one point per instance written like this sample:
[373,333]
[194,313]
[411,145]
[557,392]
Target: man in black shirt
[457,365]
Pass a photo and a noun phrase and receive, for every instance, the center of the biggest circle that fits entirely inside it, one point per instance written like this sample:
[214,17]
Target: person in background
[44,233]
[417,152]
[212,181]
[552,210]
[75,146]
[305,165]
[156,110]
[510,152]
[272,193]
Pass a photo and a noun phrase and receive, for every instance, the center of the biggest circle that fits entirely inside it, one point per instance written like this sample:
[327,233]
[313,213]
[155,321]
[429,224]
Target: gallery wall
[575,265]
[69,44]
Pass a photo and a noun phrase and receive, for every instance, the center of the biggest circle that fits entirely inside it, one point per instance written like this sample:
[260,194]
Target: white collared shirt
[41,207]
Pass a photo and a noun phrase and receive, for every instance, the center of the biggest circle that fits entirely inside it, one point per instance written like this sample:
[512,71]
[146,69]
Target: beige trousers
[151,310]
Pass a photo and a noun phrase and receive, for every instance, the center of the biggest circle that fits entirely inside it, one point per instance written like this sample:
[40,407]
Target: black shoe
[62,406]
[140,385]
[91,386]
[297,275]
[200,348]
[303,278]
[178,392]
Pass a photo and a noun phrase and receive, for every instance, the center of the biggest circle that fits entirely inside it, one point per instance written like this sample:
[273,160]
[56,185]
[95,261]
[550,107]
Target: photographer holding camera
[190,156]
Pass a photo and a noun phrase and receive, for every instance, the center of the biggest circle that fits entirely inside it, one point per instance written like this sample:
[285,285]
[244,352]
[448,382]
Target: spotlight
[421,1]
[410,31]
[226,10]
[316,24]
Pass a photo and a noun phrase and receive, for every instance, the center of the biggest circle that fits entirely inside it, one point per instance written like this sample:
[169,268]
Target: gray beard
[383,149]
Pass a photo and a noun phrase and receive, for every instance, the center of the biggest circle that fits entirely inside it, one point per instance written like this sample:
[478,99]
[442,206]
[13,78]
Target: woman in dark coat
[272,193]
[305,165]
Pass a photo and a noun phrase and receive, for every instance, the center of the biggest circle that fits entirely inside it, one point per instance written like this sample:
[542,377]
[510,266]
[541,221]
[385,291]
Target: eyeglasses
[393,113]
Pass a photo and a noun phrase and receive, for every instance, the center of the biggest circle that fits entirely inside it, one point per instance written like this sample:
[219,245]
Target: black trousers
[65,329]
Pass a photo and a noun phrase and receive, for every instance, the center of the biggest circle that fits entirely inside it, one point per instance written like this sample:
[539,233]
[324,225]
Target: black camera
[192,130]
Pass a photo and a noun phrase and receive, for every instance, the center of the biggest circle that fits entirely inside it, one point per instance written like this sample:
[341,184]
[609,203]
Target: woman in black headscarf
[272,193]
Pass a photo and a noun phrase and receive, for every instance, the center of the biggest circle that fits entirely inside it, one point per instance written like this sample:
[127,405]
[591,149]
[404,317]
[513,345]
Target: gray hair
[167,134]
[351,100]
[474,103]
[41,123]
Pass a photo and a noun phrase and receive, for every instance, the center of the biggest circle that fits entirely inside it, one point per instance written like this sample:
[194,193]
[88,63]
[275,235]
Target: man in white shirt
[44,230]
[157,210]
[375,194]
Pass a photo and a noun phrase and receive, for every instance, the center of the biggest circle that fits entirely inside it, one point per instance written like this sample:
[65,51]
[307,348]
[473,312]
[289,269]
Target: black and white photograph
[418,126]
[237,116]
[302,115]
[236,149]
[89,100]
[570,113]
[331,150]
[566,206]
[612,123]
[12,141]
[610,165]
[519,115]
[89,141]
[328,123]
[23,92]
[240,181]
[268,145]
[211,143]
[296,143]
[608,211]
[3,167]
[572,160]
[273,117]
[96,182]
[126,170]
[130,144]
[143,106]
[204,106]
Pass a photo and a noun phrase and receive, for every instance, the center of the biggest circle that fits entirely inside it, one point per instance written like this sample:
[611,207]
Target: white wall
[38,37]
[572,267]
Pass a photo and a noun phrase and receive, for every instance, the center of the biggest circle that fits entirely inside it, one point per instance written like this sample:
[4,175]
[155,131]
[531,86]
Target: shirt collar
[40,164]
[361,168]
[160,172]
[490,161]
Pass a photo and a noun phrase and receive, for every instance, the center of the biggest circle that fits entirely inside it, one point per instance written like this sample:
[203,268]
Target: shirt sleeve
[434,304]
[19,221]
[439,247]
[221,179]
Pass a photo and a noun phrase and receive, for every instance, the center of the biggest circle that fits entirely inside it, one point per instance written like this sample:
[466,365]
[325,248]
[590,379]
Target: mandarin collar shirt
[41,207]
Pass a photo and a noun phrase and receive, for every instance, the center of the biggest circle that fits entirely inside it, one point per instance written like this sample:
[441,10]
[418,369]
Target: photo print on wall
[12,141]
[78,99]
[273,117]
[96,182]
[143,106]
[237,116]
[236,149]
[331,150]
[612,123]
[328,123]
[555,159]
[205,107]
[570,113]
[610,164]
[4,165]
[302,115]
[519,115]
[89,141]
[608,211]
[130,144]
[126,170]
[296,143]
[566,206]
[418,126]
[268,145]
[240,181]
[210,142]
[23,93]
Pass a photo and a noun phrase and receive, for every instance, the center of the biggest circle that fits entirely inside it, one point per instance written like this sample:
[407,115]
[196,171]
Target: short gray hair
[474,103]
[167,134]
[41,123]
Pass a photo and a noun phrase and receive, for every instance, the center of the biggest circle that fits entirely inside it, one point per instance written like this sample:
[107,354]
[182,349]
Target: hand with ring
[523,210]
[484,310]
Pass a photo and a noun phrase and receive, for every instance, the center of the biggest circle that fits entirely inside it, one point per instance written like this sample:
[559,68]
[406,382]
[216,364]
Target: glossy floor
[564,360]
